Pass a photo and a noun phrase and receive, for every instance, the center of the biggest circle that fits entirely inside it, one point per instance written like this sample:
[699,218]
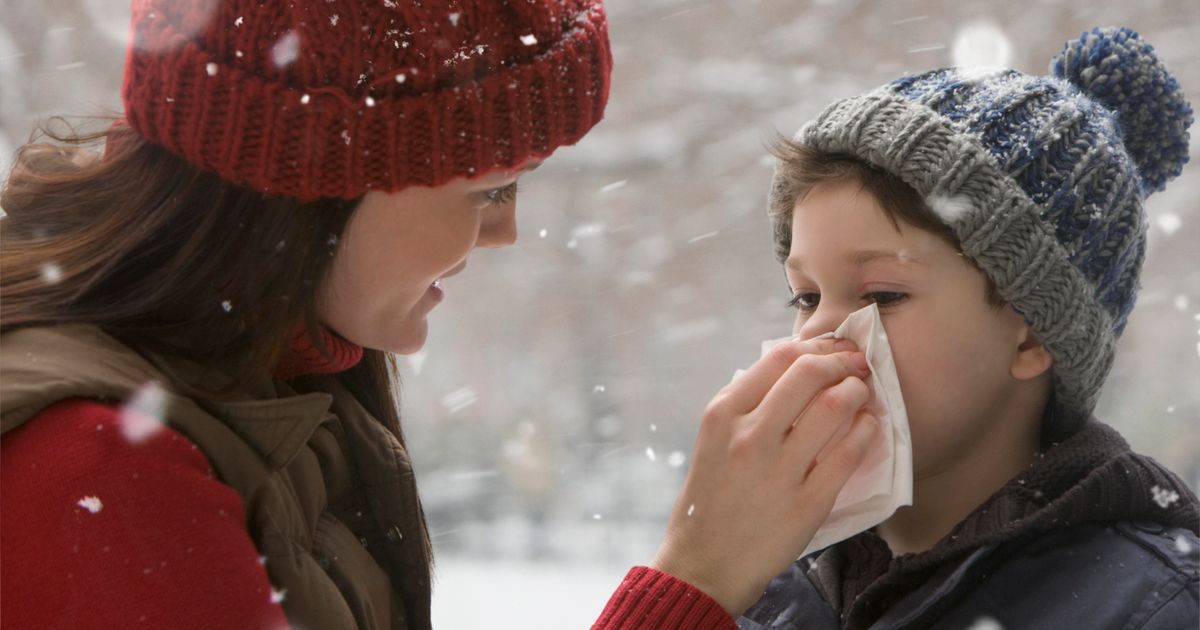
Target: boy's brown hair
[801,167]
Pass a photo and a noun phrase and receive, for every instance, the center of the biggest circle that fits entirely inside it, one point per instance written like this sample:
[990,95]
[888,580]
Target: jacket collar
[1091,477]
[277,428]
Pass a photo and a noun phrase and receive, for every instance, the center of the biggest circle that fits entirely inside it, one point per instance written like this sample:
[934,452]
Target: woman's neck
[304,356]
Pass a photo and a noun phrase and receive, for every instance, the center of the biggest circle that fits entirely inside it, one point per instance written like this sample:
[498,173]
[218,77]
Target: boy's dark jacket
[1091,536]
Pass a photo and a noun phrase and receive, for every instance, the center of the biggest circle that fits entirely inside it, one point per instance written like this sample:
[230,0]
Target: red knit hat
[334,98]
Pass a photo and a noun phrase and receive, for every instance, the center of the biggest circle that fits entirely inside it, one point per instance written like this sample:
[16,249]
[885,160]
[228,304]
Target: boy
[996,219]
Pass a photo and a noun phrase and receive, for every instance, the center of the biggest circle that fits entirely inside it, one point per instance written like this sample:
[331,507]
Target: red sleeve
[100,532]
[648,598]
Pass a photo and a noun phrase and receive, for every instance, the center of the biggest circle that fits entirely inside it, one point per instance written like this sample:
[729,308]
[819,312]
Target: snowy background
[552,413]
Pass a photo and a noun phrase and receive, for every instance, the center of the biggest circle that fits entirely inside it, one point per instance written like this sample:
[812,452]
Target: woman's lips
[435,291]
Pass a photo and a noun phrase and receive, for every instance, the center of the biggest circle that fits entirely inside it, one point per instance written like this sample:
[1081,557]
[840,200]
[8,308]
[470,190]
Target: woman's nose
[499,228]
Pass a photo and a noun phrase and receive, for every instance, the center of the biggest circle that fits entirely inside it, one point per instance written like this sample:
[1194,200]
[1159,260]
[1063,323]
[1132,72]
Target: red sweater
[100,532]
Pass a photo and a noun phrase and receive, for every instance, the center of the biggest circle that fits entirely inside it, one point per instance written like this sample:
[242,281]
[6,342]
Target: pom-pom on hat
[1041,179]
[335,98]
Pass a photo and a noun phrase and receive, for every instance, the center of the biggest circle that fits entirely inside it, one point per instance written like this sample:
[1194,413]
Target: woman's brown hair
[165,257]
[168,258]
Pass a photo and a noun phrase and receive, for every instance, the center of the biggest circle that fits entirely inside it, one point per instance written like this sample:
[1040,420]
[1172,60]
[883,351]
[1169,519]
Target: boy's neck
[943,499]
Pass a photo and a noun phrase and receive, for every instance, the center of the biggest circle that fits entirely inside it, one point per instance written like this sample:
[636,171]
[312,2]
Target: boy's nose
[825,319]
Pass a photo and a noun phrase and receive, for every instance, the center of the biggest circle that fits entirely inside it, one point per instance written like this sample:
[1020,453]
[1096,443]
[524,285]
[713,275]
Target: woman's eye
[502,196]
[804,301]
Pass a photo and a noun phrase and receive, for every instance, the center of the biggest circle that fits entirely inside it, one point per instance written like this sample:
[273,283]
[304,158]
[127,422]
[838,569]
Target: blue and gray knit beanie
[1041,178]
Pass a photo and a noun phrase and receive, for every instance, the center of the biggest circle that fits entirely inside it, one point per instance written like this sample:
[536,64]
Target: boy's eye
[886,298]
[501,196]
[804,301]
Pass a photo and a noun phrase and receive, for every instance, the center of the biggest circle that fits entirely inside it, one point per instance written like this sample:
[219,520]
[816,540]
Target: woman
[200,425]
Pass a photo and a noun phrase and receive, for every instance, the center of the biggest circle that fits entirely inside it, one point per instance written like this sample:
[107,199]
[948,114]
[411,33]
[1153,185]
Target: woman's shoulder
[113,521]
[80,438]
[40,366]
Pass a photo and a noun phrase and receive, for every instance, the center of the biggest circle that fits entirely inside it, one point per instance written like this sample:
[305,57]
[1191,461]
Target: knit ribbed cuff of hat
[998,225]
[321,142]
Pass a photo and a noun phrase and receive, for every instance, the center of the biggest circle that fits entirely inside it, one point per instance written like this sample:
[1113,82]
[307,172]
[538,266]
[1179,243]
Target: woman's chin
[411,340]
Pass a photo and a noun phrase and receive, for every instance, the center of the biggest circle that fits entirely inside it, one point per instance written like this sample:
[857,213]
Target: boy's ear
[1032,358]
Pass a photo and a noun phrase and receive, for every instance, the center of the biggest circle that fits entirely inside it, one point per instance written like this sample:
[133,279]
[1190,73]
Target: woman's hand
[775,447]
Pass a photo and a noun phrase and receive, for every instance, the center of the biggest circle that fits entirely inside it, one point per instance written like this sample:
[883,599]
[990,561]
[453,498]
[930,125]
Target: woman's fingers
[749,504]
[747,391]
[828,418]
[827,477]
[807,382]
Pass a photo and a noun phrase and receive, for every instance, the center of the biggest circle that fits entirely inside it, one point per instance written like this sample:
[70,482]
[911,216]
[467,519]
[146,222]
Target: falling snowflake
[277,596]
[333,19]
[454,18]
[370,102]
[286,50]
[459,399]
[51,273]
[614,186]
[1182,545]
[142,414]
[304,99]
[346,136]
[986,623]
[676,459]
[653,427]
[706,235]
[1164,497]
[598,389]
[542,233]
[981,47]
[1169,223]
[91,504]
[691,509]
[401,78]
[238,22]
[597,516]
[529,40]
[950,209]
[650,454]
[927,48]
[417,360]
[227,306]
[211,69]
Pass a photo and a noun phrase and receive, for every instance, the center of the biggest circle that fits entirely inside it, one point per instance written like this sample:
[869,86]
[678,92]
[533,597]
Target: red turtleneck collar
[306,358]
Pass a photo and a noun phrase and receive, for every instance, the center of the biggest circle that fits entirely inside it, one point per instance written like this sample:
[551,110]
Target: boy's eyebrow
[862,257]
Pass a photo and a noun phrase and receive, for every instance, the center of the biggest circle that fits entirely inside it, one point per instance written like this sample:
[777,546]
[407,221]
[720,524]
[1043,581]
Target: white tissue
[883,481]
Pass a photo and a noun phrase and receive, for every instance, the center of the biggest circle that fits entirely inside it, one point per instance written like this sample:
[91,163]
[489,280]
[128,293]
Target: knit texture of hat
[1041,179]
[335,98]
